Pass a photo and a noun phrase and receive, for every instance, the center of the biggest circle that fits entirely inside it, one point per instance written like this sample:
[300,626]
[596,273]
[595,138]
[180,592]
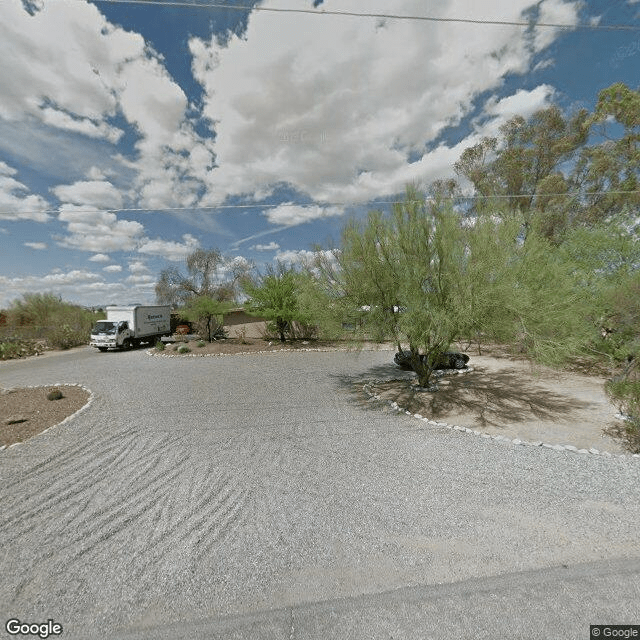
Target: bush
[10,349]
[44,316]
[160,345]
[184,349]
[625,394]
[201,343]
[55,394]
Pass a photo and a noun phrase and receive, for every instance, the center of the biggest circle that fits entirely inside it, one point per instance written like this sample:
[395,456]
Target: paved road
[262,497]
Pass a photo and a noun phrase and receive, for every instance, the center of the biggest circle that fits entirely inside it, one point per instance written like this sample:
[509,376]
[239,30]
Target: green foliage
[16,348]
[608,168]
[275,297]
[626,395]
[184,349]
[55,394]
[207,314]
[45,316]
[160,346]
[200,343]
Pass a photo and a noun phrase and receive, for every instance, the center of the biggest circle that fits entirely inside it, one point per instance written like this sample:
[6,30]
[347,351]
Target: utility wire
[372,203]
[385,16]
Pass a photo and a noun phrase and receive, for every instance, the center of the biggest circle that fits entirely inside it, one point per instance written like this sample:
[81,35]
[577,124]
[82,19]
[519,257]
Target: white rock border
[368,388]
[83,408]
[161,354]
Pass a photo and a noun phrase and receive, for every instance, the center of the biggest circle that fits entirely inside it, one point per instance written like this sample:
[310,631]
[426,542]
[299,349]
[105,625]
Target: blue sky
[132,134]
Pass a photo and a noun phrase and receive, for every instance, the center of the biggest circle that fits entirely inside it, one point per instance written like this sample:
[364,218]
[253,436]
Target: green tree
[403,271]
[209,273]
[523,167]
[207,313]
[608,172]
[430,277]
[274,296]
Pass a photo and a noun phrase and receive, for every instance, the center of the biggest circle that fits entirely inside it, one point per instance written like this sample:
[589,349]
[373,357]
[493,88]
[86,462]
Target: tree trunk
[422,368]
[282,325]
[209,327]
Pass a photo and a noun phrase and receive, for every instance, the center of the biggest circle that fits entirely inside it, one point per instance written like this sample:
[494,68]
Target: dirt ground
[509,397]
[502,395]
[26,412]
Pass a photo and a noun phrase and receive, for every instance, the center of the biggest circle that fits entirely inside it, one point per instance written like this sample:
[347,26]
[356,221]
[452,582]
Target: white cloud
[67,69]
[15,201]
[138,267]
[39,246]
[98,231]
[272,246]
[290,214]
[336,112]
[301,256]
[84,287]
[554,12]
[112,268]
[96,193]
[57,85]
[524,103]
[174,251]
[140,279]
[99,257]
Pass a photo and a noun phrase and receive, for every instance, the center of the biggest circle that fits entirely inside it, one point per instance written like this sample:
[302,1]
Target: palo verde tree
[403,271]
[274,296]
[208,315]
[429,277]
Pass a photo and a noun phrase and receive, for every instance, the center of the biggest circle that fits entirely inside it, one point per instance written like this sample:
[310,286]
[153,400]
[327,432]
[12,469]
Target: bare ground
[27,412]
[508,396]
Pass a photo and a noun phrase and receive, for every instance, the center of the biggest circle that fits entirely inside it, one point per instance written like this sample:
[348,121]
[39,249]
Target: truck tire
[126,344]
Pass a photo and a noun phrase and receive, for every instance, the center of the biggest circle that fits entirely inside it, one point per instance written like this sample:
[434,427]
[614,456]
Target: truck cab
[109,334]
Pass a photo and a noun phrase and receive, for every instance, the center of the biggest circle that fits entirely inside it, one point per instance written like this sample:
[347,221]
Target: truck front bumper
[103,344]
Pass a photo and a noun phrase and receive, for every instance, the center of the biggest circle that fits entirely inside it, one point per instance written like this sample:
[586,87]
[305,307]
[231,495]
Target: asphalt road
[264,497]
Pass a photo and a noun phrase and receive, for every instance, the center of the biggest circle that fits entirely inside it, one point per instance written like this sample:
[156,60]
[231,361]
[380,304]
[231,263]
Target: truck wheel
[126,344]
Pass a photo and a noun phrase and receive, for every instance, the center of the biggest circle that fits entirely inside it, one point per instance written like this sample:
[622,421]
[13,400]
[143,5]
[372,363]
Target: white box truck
[129,326]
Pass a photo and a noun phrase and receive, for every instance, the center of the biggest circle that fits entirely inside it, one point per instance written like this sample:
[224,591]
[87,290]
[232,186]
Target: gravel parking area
[201,494]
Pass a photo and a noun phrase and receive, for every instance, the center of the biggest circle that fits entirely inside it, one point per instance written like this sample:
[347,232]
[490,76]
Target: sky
[133,133]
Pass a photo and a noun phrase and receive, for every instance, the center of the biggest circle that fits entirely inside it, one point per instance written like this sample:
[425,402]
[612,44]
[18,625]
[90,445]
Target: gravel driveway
[263,497]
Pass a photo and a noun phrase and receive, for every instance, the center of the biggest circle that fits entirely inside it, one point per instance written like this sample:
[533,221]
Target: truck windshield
[104,327]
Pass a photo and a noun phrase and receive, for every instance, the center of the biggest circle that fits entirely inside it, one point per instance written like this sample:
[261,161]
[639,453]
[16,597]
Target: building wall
[237,320]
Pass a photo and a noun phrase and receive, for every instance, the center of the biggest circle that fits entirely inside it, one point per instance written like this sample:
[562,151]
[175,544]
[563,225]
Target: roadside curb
[74,415]
[369,389]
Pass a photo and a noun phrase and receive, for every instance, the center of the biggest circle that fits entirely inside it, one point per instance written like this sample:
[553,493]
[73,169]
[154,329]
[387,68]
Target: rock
[15,420]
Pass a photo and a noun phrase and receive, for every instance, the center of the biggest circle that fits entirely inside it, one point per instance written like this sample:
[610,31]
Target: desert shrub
[16,348]
[625,394]
[241,334]
[160,345]
[55,394]
[184,349]
[45,316]
[200,343]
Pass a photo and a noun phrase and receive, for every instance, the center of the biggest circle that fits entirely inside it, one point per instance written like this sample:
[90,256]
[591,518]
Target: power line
[384,16]
[372,203]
